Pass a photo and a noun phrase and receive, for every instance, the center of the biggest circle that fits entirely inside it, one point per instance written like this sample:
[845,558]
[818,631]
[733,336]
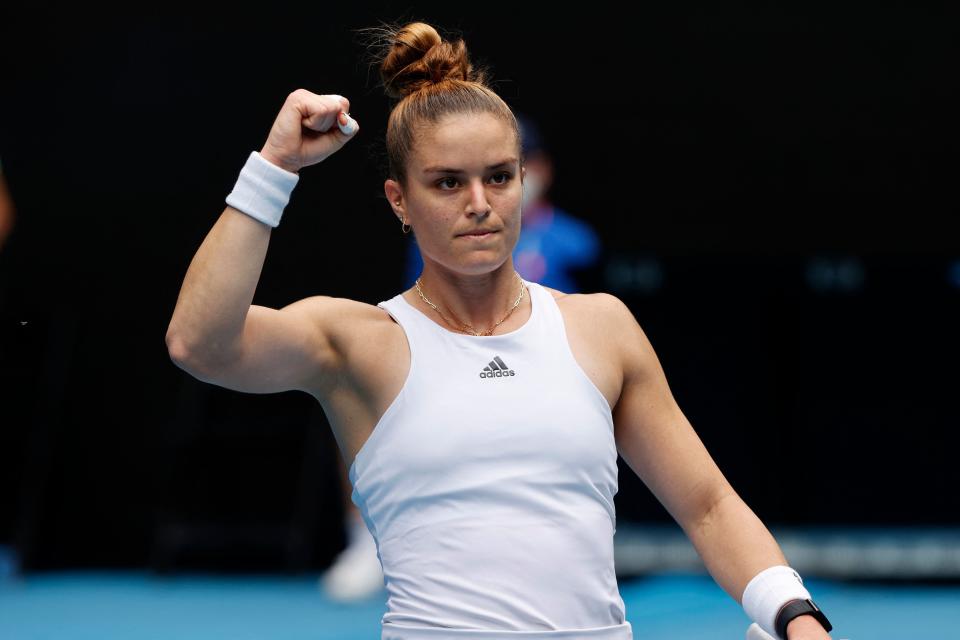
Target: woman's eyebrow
[508,161]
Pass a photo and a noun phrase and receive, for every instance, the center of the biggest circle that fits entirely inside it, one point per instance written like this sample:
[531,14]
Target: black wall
[789,178]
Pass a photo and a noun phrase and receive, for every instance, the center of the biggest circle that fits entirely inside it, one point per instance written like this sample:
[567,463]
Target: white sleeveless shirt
[488,487]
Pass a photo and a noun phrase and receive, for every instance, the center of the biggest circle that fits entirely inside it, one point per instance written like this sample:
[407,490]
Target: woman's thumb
[347,124]
[319,148]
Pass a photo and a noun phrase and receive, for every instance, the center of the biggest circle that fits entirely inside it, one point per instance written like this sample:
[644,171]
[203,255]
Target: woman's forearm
[218,288]
[734,544]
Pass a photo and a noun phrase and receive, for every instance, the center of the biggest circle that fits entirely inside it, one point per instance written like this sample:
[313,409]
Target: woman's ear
[391,188]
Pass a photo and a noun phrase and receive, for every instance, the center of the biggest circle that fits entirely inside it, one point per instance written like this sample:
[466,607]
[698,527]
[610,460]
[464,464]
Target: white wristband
[768,591]
[262,190]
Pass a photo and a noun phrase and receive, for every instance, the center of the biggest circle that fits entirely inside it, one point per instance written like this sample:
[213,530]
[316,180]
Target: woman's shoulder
[601,309]
[348,322]
[554,292]
[343,308]
[599,299]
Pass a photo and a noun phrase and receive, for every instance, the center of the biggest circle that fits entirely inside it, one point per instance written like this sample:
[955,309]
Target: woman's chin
[478,264]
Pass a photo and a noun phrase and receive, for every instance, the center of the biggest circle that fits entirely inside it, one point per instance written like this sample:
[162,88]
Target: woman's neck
[479,300]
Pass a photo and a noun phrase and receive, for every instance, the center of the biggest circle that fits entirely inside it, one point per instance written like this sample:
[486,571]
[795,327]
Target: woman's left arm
[660,445]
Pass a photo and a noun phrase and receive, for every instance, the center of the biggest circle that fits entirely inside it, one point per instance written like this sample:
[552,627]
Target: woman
[480,414]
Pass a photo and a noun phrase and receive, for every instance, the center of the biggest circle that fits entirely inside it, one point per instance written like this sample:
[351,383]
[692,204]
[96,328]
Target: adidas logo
[497,369]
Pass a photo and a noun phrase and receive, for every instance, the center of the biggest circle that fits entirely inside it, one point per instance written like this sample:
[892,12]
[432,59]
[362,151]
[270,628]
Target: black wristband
[796,608]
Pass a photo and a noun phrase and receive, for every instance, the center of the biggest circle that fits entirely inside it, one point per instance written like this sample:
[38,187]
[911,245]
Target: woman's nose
[478,199]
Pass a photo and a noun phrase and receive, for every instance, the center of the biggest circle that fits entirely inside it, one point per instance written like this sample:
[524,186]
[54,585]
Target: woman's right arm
[216,334]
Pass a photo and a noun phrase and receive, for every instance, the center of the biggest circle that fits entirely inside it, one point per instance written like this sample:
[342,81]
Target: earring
[403,223]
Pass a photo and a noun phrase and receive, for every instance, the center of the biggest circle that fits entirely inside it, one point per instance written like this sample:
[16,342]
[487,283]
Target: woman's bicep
[280,350]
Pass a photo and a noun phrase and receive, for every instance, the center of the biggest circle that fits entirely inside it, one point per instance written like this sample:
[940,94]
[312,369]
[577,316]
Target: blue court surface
[135,605]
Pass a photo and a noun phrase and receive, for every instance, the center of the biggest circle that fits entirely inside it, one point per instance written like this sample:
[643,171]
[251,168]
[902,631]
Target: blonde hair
[429,78]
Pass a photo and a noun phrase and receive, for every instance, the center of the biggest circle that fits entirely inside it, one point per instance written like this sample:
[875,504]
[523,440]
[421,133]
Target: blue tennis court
[135,605]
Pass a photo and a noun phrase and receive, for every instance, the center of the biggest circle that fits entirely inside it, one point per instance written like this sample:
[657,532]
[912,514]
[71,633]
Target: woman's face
[463,175]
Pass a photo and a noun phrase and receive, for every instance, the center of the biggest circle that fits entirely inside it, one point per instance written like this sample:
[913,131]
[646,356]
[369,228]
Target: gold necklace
[467,326]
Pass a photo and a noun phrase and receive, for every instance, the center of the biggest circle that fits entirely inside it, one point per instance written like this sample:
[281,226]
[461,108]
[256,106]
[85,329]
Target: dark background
[775,191]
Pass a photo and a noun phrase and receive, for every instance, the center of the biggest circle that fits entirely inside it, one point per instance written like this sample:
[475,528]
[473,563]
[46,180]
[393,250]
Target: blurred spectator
[6,210]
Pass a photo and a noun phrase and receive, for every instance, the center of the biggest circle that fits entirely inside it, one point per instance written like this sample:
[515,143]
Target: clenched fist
[304,133]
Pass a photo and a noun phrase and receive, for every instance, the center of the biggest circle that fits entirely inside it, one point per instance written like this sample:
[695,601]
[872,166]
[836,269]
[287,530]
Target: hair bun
[415,59]
[418,56]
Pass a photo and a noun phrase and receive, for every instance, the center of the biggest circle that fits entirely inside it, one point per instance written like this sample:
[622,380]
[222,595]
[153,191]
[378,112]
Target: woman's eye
[503,174]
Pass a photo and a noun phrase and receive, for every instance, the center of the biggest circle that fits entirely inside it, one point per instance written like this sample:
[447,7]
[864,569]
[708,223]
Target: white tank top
[488,486]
